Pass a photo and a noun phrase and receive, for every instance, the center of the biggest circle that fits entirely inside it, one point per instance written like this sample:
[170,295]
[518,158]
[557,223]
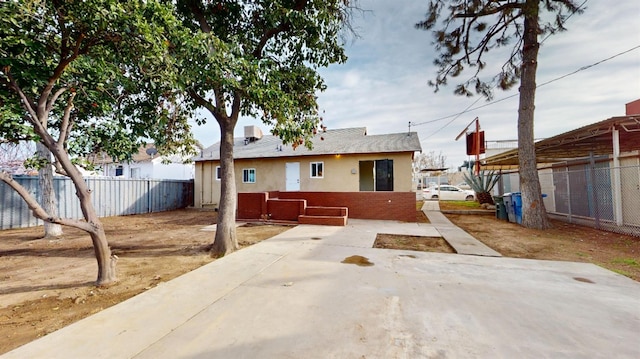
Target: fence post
[594,197]
[149,196]
[617,183]
[568,194]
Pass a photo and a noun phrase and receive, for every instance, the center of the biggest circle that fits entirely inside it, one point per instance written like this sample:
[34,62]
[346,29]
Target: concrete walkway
[293,297]
[461,241]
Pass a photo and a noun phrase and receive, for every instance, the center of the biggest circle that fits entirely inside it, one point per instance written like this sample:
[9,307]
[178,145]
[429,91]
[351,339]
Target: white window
[218,173]
[317,169]
[135,173]
[248,175]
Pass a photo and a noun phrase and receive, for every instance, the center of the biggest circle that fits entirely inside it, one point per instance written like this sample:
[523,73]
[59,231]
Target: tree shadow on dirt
[123,250]
[48,252]
[35,288]
[158,250]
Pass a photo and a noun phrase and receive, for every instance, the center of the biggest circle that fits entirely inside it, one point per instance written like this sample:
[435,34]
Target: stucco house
[147,163]
[344,168]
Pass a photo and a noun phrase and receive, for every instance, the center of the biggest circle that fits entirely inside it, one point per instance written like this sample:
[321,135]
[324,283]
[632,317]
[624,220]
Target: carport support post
[617,184]
[594,196]
[568,194]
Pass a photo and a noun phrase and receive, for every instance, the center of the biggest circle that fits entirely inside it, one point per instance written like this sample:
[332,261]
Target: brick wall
[398,206]
[286,210]
[252,205]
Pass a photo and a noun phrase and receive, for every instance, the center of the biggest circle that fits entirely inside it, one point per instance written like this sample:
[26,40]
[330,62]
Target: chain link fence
[597,195]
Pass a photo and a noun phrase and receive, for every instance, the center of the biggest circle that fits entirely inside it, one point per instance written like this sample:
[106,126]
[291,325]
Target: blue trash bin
[508,204]
[516,198]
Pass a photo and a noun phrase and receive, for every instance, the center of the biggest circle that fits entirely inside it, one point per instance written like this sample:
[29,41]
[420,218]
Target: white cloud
[383,85]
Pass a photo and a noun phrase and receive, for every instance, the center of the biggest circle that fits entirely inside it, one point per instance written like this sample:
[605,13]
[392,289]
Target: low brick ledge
[326,211]
[323,220]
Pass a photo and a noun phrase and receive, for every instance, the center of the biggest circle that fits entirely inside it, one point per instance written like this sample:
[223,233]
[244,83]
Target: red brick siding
[286,210]
[633,107]
[399,206]
[323,220]
[326,211]
[252,205]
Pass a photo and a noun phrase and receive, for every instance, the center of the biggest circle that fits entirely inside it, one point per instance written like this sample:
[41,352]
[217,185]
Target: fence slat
[110,197]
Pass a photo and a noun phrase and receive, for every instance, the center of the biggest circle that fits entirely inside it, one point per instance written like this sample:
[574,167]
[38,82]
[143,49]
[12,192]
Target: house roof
[330,142]
[138,157]
[596,139]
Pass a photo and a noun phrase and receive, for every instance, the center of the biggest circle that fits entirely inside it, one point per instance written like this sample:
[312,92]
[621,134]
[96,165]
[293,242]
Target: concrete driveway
[292,297]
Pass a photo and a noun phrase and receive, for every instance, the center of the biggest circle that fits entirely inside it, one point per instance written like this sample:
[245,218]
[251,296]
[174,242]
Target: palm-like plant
[482,184]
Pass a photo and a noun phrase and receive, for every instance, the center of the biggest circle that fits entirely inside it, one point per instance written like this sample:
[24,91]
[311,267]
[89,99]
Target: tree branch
[53,99]
[65,126]
[28,103]
[268,34]
[57,73]
[199,16]
[202,101]
[37,210]
[490,10]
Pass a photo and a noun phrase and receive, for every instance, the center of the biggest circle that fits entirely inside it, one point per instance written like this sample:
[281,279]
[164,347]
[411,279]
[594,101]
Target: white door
[292,174]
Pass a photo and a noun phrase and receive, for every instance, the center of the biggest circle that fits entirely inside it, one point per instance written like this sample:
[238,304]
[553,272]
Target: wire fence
[597,195]
[110,197]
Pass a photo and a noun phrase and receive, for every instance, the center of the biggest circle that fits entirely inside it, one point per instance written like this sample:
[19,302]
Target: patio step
[323,220]
[327,216]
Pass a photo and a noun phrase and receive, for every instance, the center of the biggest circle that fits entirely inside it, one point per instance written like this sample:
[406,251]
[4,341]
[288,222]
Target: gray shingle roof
[331,142]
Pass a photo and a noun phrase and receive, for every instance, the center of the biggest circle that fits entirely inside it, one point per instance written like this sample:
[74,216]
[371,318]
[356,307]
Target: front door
[384,175]
[292,174]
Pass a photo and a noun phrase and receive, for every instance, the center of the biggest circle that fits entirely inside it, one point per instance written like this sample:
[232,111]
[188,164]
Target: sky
[384,84]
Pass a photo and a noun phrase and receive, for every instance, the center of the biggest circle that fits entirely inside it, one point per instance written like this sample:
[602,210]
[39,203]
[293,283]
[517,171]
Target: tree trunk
[226,241]
[534,214]
[106,262]
[47,193]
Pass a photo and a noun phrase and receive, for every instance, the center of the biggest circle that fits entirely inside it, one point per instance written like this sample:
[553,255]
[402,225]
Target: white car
[448,193]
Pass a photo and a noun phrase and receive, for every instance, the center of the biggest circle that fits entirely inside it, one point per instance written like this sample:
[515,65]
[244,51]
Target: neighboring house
[341,161]
[147,163]
[16,167]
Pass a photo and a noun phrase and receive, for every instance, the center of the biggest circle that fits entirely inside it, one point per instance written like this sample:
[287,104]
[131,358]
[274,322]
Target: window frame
[311,165]
[218,173]
[248,171]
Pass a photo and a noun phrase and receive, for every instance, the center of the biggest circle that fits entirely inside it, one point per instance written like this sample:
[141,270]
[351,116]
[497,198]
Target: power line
[470,108]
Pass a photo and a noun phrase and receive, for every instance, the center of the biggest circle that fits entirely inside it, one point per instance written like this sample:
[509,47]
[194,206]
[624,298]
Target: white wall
[152,170]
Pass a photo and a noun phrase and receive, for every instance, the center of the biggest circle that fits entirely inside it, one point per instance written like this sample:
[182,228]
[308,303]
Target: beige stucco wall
[270,175]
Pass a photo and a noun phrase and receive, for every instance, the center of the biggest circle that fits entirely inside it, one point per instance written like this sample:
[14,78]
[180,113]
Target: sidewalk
[461,241]
[292,297]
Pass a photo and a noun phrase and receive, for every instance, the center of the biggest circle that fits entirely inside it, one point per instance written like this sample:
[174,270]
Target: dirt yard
[564,242]
[48,284]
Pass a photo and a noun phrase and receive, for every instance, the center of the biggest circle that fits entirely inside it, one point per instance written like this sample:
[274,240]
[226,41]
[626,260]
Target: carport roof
[596,139]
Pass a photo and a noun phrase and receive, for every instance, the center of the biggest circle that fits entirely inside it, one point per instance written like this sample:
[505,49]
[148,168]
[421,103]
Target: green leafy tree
[258,58]
[465,31]
[87,76]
